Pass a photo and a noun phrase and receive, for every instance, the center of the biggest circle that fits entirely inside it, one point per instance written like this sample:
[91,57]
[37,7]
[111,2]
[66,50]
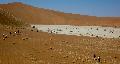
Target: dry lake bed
[91,31]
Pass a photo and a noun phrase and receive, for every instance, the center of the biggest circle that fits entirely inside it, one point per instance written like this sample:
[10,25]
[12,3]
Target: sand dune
[31,14]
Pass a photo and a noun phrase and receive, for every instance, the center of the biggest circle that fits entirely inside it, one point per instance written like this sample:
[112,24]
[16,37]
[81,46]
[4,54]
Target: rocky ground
[27,46]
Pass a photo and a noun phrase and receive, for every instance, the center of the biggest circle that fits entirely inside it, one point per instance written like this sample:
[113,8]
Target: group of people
[5,36]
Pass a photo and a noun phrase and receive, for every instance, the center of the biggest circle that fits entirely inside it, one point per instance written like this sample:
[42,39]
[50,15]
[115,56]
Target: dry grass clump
[6,18]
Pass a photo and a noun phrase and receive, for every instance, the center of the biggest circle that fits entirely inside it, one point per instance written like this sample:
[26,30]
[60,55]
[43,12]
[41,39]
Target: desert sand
[26,45]
[32,47]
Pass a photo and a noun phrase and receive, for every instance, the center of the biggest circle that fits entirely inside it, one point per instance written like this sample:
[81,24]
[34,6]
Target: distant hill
[30,14]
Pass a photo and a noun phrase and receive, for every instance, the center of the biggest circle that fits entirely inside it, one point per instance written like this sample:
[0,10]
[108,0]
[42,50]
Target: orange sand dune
[35,15]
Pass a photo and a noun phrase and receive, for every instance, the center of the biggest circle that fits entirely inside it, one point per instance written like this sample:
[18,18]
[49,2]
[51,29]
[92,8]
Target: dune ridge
[34,15]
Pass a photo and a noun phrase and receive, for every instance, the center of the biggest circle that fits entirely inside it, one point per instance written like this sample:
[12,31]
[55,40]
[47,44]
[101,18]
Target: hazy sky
[83,7]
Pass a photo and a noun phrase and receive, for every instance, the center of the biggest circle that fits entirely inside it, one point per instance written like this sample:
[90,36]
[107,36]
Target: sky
[98,8]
